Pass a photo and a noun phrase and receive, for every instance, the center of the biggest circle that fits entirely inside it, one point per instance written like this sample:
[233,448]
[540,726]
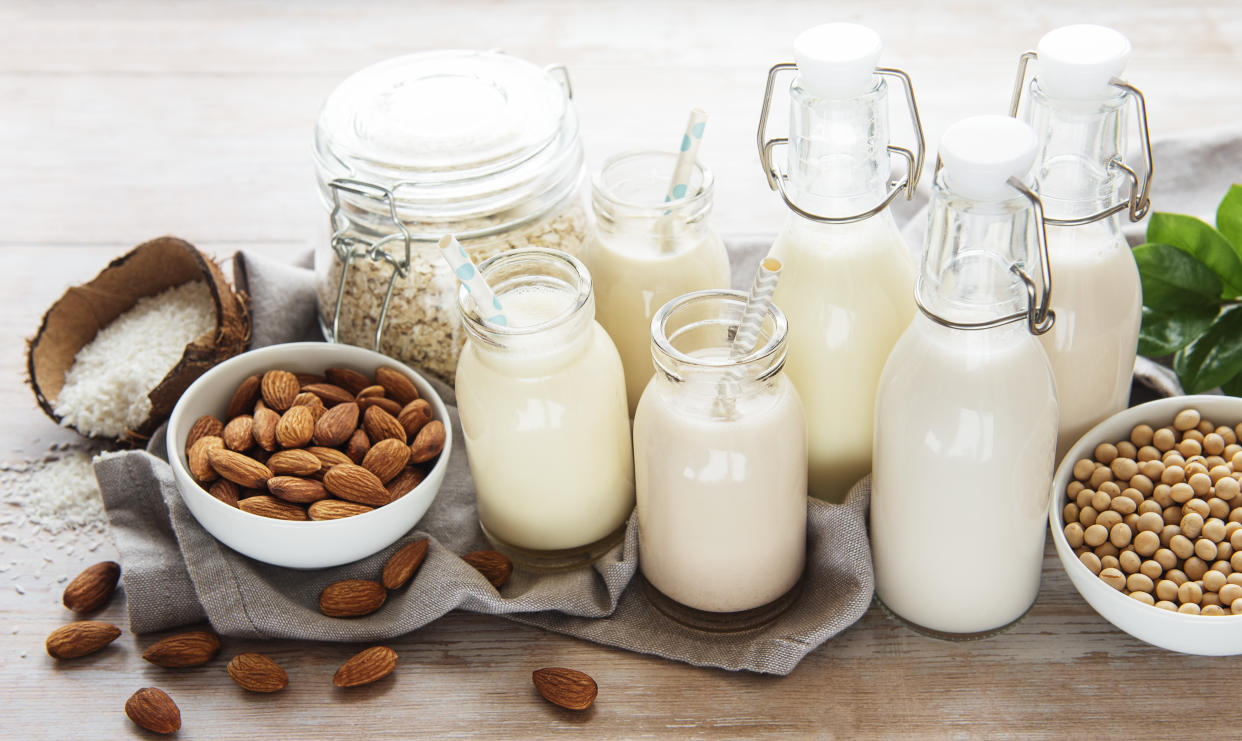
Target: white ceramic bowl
[298,545]
[1190,634]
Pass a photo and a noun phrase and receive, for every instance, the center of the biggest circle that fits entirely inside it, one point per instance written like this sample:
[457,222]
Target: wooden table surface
[125,120]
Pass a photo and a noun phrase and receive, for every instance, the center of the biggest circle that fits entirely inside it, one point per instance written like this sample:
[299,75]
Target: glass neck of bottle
[970,253]
[628,196]
[838,150]
[1078,144]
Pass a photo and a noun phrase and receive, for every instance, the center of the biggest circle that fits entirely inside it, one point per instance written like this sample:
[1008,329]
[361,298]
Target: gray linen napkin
[176,573]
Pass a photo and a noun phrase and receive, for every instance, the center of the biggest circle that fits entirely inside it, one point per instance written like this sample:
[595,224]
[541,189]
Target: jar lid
[453,134]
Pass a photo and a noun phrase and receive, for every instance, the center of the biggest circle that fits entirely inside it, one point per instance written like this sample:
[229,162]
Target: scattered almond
[257,673]
[80,638]
[240,469]
[352,598]
[307,399]
[383,402]
[335,509]
[266,506]
[328,457]
[279,389]
[371,391]
[429,442]
[366,666]
[336,424]
[295,427]
[265,421]
[91,589]
[305,379]
[330,393]
[244,397]
[386,459]
[154,710]
[204,426]
[296,490]
[239,433]
[402,565]
[358,446]
[413,416]
[495,567]
[191,648]
[294,463]
[356,484]
[568,688]
[381,425]
[226,491]
[198,459]
[404,482]
[350,380]
[397,384]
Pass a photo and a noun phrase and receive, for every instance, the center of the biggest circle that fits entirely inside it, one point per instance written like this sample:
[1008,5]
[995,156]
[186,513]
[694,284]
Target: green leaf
[1233,387]
[1215,357]
[1164,334]
[1174,281]
[1197,238]
[1229,217]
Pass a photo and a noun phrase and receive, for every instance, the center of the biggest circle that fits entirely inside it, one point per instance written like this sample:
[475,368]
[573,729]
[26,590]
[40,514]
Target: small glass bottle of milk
[966,414]
[848,274]
[1079,110]
[720,468]
[644,252]
[542,404]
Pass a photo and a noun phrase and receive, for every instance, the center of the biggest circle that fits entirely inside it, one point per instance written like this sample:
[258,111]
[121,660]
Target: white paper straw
[680,185]
[468,273]
[758,304]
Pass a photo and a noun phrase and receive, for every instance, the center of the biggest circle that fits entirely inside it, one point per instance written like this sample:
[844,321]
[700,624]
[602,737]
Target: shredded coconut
[105,391]
[57,493]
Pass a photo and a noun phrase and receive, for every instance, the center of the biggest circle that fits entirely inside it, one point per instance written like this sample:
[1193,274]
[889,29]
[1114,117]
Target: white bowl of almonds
[1146,515]
[309,455]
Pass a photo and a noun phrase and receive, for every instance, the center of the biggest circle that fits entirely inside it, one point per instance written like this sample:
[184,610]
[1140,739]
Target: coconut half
[148,269]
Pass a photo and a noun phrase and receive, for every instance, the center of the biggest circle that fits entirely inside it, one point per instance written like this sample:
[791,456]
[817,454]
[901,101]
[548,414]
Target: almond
[414,416]
[264,427]
[404,482]
[402,565]
[244,397]
[331,394]
[91,589]
[154,710]
[429,442]
[296,490]
[350,380]
[257,673]
[80,638]
[397,384]
[266,506]
[386,458]
[191,648]
[356,484]
[226,491]
[336,424]
[279,389]
[358,445]
[240,469]
[381,425]
[388,405]
[568,688]
[335,509]
[295,427]
[328,457]
[306,379]
[366,667]
[239,433]
[202,427]
[371,391]
[294,463]
[352,598]
[198,458]
[495,567]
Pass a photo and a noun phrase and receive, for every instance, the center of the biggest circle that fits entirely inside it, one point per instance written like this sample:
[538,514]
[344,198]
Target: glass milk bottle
[644,252]
[966,414]
[1078,109]
[542,404]
[848,276]
[720,467]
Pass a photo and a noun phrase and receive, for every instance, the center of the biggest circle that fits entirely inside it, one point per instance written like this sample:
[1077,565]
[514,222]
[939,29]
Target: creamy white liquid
[966,425]
[721,503]
[848,293]
[1098,301]
[634,275]
[547,431]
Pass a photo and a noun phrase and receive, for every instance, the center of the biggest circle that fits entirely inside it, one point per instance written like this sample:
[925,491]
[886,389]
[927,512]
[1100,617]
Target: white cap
[981,153]
[1077,62]
[837,60]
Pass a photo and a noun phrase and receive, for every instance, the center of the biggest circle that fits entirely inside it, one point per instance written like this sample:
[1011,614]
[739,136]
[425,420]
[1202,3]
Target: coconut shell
[151,267]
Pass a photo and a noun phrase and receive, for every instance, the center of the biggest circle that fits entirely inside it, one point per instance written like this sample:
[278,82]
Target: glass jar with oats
[481,145]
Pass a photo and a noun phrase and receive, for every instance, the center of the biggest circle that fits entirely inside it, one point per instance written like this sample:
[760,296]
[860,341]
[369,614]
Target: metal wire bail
[776,178]
[347,248]
[1139,201]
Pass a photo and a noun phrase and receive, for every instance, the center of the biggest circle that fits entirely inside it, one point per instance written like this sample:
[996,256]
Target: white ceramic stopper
[837,60]
[1077,62]
[981,153]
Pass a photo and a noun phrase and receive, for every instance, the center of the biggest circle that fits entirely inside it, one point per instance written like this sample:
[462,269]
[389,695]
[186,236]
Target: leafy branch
[1192,281]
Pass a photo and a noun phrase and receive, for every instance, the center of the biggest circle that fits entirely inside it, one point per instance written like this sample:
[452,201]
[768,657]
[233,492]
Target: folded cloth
[176,573]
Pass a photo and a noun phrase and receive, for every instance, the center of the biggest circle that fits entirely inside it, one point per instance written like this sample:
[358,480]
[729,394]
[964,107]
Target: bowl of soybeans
[1146,515]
